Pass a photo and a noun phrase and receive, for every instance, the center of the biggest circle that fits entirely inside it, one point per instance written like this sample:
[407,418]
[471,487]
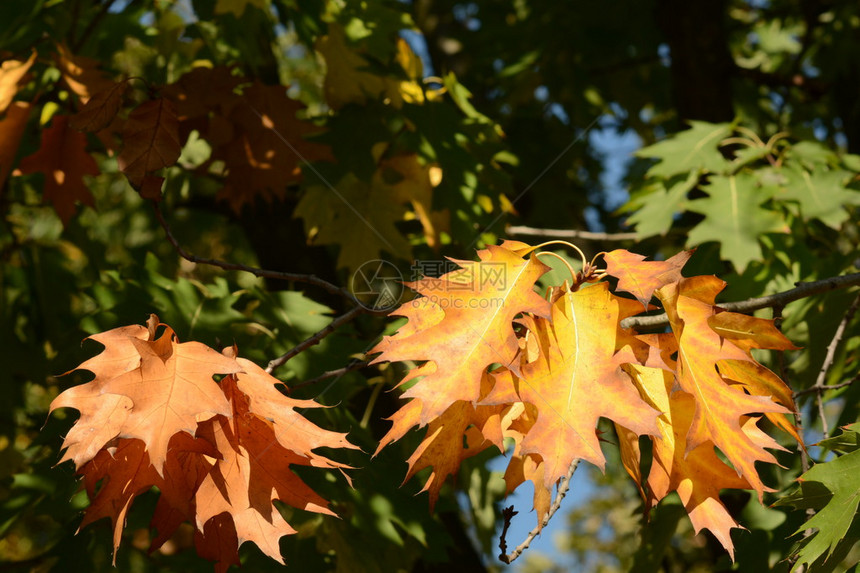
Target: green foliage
[314,139]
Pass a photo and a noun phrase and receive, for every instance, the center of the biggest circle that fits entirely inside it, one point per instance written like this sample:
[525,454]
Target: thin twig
[802,290]
[812,389]
[354,365]
[570,234]
[829,358]
[563,486]
[296,277]
[103,10]
[316,338]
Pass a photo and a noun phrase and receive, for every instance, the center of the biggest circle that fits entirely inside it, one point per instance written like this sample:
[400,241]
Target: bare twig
[825,388]
[508,514]
[563,486]
[295,277]
[570,234]
[354,365]
[802,290]
[316,338]
[829,358]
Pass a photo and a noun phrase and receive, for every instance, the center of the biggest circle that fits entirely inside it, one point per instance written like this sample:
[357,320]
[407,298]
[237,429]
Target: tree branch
[295,277]
[354,365]
[570,234]
[563,486]
[802,290]
[829,358]
[316,338]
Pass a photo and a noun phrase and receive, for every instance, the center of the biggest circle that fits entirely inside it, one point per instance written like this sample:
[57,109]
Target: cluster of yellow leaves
[501,362]
[219,452]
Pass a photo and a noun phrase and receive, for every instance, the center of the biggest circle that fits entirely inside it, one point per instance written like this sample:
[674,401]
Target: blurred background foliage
[444,123]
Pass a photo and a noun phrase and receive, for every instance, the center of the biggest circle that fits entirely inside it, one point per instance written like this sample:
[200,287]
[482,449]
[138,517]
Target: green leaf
[734,218]
[356,216]
[692,150]
[834,487]
[821,194]
[657,214]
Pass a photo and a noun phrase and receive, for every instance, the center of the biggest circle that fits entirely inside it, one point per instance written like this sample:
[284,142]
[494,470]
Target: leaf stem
[572,272]
[565,243]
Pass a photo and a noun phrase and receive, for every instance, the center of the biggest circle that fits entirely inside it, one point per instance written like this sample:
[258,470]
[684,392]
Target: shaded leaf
[150,140]
[62,157]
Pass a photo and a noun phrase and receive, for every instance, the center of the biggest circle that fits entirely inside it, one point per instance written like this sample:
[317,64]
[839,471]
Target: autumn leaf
[719,405]
[62,157]
[268,149]
[640,277]
[12,128]
[479,302]
[697,475]
[124,471]
[576,380]
[100,110]
[219,453]
[461,432]
[12,72]
[253,472]
[81,74]
[127,473]
[169,384]
[150,140]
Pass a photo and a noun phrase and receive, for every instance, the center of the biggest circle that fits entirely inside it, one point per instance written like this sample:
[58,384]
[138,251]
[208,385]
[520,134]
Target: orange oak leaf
[12,128]
[101,109]
[12,72]
[125,472]
[479,302]
[62,157]
[81,74]
[719,404]
[253,472]
[461,432]
[150,141]
[697,475]
[742,334]
[219,453]
[576,380]
[169,384]
[640,277]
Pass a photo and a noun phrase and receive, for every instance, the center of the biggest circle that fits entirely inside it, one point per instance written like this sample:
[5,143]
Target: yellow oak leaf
[479,301]
[11,73]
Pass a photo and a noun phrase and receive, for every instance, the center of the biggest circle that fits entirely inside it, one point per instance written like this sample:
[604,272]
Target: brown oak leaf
[63,158]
